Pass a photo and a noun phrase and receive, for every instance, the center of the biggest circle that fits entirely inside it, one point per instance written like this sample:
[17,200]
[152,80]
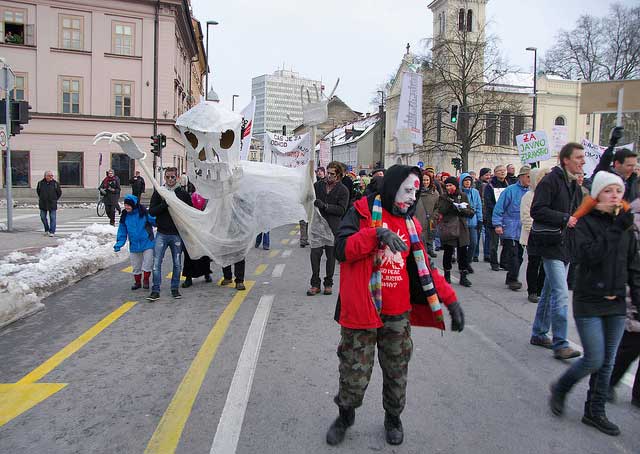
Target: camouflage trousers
[356,353]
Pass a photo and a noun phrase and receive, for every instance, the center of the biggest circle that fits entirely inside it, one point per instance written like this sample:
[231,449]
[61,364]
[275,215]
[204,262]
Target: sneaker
[225,281]
[240,286]
[533,298]
[46,233]
[313,291]
[515,285]
[542,341]
[51,234]
[266,248]
[601,423]
[175,293]
[328,290]
[154,296]
[566,353]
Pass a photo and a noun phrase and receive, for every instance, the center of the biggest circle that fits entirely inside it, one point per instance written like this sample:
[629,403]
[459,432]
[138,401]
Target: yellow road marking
[293,232]
[53,362]
[128,269]
[167,435]
[285,241]
[170,275]
[260,269]
[273,253]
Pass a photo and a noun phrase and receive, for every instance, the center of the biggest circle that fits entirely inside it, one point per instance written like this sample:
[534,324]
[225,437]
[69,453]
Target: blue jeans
[473,243]
[163,242]
[600,338]
[264,239]
[486,242]
[51,225]
[553,305]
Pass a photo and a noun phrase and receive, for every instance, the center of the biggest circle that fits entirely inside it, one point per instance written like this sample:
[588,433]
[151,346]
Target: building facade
[87,66]
[278,100]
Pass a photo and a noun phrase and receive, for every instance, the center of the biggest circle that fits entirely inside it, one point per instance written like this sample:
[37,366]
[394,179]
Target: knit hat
[447,175]
[131,200]
[524,170]
[604,179]
[451,180]
[431,168]
[484,171]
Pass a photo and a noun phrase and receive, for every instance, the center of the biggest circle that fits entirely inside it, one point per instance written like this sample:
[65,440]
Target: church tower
[453,17]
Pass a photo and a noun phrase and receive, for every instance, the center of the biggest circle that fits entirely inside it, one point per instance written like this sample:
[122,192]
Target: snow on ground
[3,227]
[26,279]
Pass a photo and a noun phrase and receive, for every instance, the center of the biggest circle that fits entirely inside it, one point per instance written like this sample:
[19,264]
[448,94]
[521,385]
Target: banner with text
[247,128]
[559,137]
[287,151]
[533,147]
[592,154]
[325,153]
[410,108]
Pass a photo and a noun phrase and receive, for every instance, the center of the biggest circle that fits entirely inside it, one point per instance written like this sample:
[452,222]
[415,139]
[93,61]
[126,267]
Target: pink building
[87,66]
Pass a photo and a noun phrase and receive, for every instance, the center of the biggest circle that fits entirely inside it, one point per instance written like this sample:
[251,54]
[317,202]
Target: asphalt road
[226,371]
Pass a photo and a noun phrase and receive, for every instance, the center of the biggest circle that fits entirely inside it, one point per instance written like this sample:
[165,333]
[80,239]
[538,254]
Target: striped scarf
[375,283]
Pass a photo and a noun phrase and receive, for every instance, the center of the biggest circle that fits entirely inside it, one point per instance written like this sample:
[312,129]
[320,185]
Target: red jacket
[356,245]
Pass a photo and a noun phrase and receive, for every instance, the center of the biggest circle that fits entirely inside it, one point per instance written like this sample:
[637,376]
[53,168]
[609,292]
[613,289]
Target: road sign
[3,137]
[420,164]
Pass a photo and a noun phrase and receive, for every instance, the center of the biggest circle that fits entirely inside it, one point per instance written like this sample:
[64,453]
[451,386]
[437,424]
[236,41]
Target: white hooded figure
[245,197]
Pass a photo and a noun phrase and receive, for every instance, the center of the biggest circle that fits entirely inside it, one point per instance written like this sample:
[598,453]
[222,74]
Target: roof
[338,135]
[513,82]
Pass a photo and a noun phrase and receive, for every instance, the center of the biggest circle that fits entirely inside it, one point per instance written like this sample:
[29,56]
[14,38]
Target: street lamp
[206,91]
[535,92]
[233,102]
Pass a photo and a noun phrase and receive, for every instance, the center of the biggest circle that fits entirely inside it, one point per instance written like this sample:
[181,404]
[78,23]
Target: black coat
[137,185]
[337,203]
[631,190]
[48,194]
[554,200]
[158,207]
[111,189]
[489,199]
[607,260]
[449,212]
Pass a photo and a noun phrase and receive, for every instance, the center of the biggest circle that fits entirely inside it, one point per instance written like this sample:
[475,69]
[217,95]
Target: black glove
[395,243]
[457,317]
[624,220]
[616,135]
[320,204]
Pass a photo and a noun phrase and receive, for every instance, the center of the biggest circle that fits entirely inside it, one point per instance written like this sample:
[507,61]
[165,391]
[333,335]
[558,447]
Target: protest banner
[410,109]
[287,151]
[533,147]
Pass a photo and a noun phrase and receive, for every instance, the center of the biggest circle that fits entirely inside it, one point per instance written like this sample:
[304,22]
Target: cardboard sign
[533,147]
[497,192]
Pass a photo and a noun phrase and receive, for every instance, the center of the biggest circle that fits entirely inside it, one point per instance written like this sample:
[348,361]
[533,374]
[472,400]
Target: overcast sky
[360,41]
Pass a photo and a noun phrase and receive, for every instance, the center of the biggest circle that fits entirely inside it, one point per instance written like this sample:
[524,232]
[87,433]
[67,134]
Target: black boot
[469,269]
[188,282]
[463,279]
[337,430]
[556,401]
[393,429]
[447,276]
[598,420]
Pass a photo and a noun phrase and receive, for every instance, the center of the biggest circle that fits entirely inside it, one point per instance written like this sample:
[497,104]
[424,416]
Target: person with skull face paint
[386,284]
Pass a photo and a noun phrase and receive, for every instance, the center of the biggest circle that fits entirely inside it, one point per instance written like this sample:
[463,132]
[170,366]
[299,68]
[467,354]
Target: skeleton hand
[124,140]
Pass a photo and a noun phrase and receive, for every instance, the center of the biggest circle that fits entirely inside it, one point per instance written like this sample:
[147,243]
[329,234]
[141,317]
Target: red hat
[446,174]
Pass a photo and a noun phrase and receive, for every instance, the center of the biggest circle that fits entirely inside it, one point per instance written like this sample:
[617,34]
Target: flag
[247,128]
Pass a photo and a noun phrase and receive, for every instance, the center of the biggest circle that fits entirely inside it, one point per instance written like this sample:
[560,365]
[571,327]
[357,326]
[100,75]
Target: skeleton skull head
[212,138]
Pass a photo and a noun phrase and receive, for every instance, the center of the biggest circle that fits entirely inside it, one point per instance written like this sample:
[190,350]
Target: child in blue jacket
[136,224]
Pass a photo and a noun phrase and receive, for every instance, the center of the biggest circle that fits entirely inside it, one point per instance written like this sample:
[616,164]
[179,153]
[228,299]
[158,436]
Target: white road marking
[278,270]
[287,253]
[22,216]
[227,434]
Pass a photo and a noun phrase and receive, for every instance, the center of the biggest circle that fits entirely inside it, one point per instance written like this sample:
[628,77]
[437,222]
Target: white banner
[592,154]
[287,151]
[325,153]
[533,147]
[559,137]
[410,108]
[248,114]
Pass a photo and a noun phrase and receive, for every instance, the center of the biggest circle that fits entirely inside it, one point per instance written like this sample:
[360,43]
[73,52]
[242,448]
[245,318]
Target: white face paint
[407,193]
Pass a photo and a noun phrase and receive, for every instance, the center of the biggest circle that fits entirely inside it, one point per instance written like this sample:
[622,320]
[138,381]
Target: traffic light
[454,113]
[457,163]
[19,111]
[163,142]
[155,144]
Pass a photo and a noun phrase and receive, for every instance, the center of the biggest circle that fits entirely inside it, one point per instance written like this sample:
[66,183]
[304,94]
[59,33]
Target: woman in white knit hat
[604,248]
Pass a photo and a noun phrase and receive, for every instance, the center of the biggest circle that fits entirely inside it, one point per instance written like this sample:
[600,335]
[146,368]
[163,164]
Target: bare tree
[596,49]
[385,87]
[465,68]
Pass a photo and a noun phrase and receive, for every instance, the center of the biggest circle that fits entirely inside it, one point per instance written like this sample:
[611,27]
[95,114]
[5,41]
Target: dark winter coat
[450,212]
[137,185]
[554,200]
[337,202]
[489,199]
[356,245]
[48,194]
[426,206]
[136,226]
[607,260]
[512,179]
[111,189]
[631,189]
[158,207]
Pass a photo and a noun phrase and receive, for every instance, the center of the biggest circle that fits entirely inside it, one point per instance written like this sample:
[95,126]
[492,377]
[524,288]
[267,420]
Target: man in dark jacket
[556,197]
[492,191]
[137,185]
[481,184]
[511,174]
[49,192]
[167,236]
[332,199]
[624,164]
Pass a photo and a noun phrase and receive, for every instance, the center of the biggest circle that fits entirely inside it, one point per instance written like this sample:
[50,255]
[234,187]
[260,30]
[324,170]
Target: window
[71,95]
[123,167]
[588,119]
[70,168]
[559,121]
[122,38]
[518,127]
[122,92]
[491,129]
[71,32]
[461,20]
[13,25]
[505,127]
[20,91]
[469,20]
[19,169]
[587,135]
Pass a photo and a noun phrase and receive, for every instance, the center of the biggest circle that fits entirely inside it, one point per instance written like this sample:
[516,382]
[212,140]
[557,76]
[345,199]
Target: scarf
[375,283]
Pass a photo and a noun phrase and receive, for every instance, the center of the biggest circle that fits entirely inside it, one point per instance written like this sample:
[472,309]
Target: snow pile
[3,227]
[25,280]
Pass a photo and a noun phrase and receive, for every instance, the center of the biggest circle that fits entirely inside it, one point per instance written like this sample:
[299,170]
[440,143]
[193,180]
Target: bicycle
[100,208]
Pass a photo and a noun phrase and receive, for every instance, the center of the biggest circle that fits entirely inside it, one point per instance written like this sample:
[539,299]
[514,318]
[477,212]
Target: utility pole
[8,83]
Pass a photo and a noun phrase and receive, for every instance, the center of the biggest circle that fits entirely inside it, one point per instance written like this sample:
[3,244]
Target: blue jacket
[475,201]
[137,227]
[506,213]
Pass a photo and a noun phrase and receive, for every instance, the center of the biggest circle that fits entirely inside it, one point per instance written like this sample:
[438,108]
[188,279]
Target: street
[101,370]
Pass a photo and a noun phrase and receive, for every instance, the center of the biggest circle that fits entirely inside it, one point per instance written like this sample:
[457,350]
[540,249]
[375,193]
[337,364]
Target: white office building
[278,100]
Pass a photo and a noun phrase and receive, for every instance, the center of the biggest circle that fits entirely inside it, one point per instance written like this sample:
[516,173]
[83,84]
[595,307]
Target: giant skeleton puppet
[245,197]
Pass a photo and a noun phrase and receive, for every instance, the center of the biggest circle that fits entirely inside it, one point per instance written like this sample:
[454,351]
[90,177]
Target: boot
[337,430]
[463,279]
[188,282]
[556,401]
[145,280]
[469,269]
[207,278]
[598,420]
[393,429]
[137,278]
[447,276]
